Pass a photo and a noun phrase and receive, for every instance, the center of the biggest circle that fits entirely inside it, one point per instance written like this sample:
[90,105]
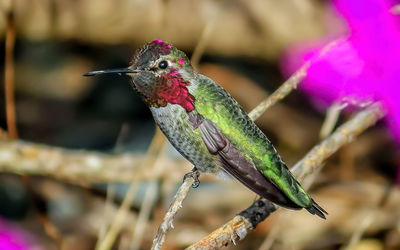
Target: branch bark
[248,219]
[168,220]
[80,166]
[9,72]
[290,84]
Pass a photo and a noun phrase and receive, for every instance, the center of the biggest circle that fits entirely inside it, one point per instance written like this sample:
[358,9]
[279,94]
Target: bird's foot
[195,175]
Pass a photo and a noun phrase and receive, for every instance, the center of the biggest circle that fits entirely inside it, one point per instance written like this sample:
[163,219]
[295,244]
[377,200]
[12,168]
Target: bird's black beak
[112,71]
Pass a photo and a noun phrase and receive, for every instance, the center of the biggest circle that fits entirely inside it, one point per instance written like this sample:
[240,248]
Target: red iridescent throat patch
[174,90]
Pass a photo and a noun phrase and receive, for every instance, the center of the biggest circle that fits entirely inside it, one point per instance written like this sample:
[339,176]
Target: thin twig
[144,214]
[358,233]
[111,186]
[289,85]
[331,118]
[107,210]
[205,37]
[116,224]
[369,218]
[115,227]
[284,90]
[167,222]
[345,134]
[9,73]
[212,19]
[150,196]
[272,235]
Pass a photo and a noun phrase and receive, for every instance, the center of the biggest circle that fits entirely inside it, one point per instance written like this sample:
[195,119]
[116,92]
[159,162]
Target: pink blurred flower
[12,238]
[364,66]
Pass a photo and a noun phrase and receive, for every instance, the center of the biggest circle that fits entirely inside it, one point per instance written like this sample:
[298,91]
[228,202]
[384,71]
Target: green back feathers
[213,103]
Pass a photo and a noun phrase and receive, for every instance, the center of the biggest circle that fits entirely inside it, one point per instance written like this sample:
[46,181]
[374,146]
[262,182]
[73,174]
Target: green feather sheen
[215,104]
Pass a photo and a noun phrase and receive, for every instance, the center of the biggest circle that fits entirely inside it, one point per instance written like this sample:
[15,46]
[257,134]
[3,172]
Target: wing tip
[315,209]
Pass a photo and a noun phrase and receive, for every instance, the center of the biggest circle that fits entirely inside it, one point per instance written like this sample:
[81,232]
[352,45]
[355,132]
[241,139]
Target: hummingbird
[209,127]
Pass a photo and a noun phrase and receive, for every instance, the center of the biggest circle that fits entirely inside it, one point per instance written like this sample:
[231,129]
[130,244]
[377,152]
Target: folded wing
[239,167]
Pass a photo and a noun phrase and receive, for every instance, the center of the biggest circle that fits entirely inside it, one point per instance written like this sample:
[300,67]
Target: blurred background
[82,141]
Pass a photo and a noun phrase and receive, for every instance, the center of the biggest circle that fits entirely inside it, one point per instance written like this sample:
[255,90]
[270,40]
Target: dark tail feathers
[317,210]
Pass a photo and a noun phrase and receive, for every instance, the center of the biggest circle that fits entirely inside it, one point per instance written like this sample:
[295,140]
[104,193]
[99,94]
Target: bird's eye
[163,65]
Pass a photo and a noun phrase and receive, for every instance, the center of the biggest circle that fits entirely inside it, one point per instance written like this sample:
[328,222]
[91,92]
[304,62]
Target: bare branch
[80,166]
[289,85]
[343,135]
[284,90]
[167,222]
[151,158]
[204,39]
[150,195]
[9,73]
[237,228]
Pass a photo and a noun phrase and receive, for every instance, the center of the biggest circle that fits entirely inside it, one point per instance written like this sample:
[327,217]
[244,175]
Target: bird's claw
[195,175]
